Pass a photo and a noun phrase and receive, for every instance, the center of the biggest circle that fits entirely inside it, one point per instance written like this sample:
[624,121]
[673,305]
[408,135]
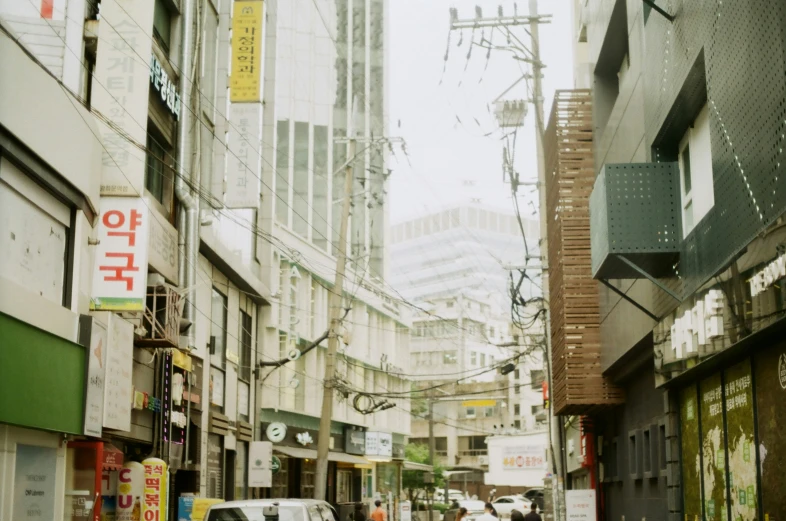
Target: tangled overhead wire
[372,405]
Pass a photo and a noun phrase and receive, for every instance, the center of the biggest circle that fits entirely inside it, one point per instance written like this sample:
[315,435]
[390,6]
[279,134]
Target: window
[218,329]
[488,412]
[482,359]
[516,374]
[517,410]
[246,328]
[695,162]
[321,176]
[282,171]
[300,205]
[469,412]
[450,303]
[158,171]
[473,358]
[517,389]
[536,377]
[36,236]
[449,357]
[491,332]
[472,446]
[517,424]
[162,24]
[209,65]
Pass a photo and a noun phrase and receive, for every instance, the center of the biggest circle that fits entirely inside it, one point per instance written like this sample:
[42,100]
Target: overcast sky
[454,143]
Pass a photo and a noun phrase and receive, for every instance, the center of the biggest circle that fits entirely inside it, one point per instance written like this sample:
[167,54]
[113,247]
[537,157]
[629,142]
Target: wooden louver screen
[579,386]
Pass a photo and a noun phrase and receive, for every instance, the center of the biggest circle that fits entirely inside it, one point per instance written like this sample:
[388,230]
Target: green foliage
[412,480]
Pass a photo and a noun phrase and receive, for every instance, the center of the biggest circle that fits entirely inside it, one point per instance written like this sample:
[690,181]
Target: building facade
[148,278]
[684,217]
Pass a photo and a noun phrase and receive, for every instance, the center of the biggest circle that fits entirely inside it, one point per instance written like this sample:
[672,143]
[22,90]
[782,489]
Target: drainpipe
[188,218]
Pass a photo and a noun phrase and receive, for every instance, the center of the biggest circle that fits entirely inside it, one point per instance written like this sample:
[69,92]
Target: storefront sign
[304,439]
[768,276]
[276,432]
[523,457]
[354,441]
[165,86]
[379,444]
[260,458]
[191,508]
[275,465]
[246,74]
[96,373]
[118,387]
[155,498]
[580,505]
[120,272]
[162,246]
[698,326]
[244,167]
[123,94]
[34,483]
[130,489]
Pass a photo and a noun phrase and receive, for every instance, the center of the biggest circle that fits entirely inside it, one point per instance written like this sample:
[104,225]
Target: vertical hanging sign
[120,272]
[244,168]
[118,385]
[155,497]
[120,93]
[245,82]
[96,376]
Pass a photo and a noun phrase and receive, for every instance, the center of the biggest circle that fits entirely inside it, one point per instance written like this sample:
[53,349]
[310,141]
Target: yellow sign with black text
[246,78]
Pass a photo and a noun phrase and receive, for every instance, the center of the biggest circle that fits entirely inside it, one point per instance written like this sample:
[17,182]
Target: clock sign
[276,432]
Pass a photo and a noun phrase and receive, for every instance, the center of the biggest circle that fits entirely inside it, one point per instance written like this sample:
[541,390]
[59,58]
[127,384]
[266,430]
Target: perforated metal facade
[635,211]
[579,386]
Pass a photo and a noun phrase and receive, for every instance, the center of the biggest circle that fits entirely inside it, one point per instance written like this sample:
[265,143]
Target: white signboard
[96,374]
[379,444]
[120,93]
[216,387]
[34,483]
[162,251]
[120,271]
[118,386]
[243,161]
[523,457]
[260,457]
[768,276]
[242,398]
[698,326]
[580,505]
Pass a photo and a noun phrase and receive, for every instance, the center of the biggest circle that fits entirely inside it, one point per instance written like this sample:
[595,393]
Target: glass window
[218,329]
[470,412]
[517,410]
[162,24]
[158,168]
[300,205]
[246,335]
[209,64]
[473,358]
[321,177]
[282,171]
[695,162]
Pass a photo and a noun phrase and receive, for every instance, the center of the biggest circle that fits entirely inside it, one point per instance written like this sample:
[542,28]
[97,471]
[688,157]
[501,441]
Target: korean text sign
[523,457]
[120,272]
[244,84]
[154,499]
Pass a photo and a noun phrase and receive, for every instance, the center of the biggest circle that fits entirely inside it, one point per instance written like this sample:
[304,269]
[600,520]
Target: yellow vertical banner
[246,78]
[155,498]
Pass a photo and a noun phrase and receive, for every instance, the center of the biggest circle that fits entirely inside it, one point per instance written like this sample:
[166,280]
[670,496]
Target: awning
[411,465]
[113,457]
[341,457]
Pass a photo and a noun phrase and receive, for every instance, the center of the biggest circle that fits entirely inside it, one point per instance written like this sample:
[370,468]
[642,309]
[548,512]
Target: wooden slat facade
[579,386]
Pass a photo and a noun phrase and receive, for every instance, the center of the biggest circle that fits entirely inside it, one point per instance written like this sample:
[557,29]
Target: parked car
[288,510]
[506,504]
[533,494]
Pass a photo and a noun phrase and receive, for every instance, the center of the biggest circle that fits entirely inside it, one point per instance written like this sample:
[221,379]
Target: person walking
[532,516]
[488,515]
[358,514]
[379,513]
[461,514]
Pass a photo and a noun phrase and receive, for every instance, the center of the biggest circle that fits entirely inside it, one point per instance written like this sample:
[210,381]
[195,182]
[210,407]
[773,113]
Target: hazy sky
[454,143]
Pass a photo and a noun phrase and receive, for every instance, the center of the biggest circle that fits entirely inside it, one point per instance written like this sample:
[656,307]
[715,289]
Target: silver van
[260,510]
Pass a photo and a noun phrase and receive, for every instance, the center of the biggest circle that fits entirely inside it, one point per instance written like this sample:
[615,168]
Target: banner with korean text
[523,457]
[120,272]
[245,81]
[154,505]
[120,93]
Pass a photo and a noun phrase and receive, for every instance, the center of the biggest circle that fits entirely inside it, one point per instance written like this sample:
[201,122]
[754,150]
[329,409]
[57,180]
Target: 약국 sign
[244,83]
[120,272]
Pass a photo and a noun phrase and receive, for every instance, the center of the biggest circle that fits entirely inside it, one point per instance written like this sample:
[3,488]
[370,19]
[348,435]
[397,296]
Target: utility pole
[531,56]
[432,447]
[335,302]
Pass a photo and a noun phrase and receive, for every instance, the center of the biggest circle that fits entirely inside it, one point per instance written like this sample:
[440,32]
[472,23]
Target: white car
[506,504]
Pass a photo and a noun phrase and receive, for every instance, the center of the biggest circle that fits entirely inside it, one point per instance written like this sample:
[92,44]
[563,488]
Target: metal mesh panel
[741,45]
[635,211]
[578,384]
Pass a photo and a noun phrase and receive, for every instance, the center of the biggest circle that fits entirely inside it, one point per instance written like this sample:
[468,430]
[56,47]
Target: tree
[412,480]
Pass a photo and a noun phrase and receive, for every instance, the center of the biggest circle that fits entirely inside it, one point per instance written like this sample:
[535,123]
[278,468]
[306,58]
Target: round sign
[275,465]
[276,432]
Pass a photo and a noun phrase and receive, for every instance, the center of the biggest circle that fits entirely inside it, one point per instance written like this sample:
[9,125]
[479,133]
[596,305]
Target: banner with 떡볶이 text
[156,490]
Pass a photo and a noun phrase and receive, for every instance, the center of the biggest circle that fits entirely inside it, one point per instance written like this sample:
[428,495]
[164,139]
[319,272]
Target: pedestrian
[379,513]
[532,516]
[358,514]
[462,513]
[454,505]
[488,514]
